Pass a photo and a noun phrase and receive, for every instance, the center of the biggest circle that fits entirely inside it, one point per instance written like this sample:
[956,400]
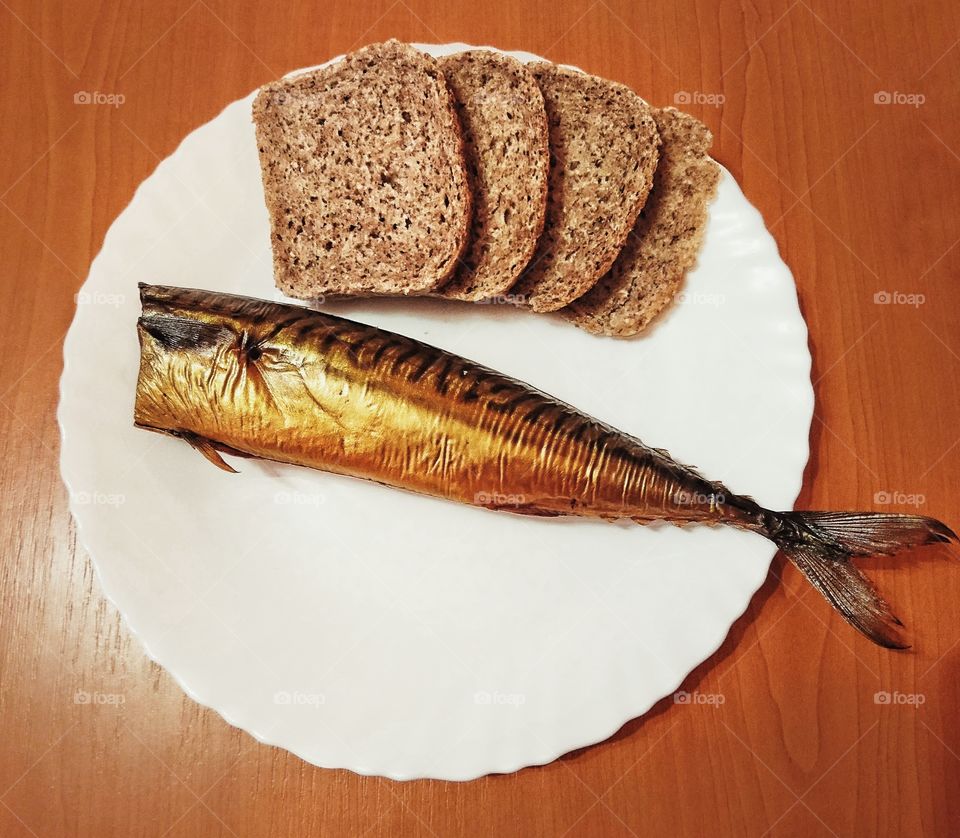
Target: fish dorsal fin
[208,449]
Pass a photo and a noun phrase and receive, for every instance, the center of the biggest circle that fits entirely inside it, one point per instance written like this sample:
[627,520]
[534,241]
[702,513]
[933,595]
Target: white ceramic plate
[366,628]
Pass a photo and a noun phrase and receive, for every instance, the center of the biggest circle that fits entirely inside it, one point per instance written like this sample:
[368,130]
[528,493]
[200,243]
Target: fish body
[290,384]
[285,383]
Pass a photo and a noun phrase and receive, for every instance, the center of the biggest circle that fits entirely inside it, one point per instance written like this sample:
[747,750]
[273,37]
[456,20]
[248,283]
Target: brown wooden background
[863,198]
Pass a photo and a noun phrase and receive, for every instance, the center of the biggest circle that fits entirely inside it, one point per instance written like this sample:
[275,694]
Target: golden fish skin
[286,383]
[294,385]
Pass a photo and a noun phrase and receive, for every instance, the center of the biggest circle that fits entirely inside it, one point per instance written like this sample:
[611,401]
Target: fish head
[199,362]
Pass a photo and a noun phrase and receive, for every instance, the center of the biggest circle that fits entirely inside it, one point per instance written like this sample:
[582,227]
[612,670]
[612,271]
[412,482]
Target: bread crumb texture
[604,149]
[664,244]
[504,126]
[364,175]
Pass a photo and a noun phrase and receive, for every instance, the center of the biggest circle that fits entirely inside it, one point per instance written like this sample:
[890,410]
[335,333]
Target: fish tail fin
[821,545]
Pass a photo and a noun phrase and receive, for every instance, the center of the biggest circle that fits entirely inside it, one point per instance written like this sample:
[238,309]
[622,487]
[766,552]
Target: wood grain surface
[840,122]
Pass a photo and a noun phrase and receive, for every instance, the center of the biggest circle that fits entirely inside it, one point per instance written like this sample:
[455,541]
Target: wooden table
[841,126]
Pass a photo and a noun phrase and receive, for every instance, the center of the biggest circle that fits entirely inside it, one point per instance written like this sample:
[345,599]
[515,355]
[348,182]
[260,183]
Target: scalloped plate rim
[69,477]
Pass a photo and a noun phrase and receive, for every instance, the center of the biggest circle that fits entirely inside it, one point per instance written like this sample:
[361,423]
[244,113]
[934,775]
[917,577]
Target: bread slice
[666,239]
[603,143]
[364,175]
[504,127]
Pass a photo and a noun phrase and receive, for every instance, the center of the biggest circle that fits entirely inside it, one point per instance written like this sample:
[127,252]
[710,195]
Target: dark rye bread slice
[364,176]
[664,244]
[504,127]
[603,144]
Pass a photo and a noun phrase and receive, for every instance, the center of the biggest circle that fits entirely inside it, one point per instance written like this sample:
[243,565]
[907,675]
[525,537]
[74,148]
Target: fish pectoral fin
[209,450]
[533,510]
[525,509]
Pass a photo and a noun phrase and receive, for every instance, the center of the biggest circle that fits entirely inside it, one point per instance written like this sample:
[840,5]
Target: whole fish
[253,378]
